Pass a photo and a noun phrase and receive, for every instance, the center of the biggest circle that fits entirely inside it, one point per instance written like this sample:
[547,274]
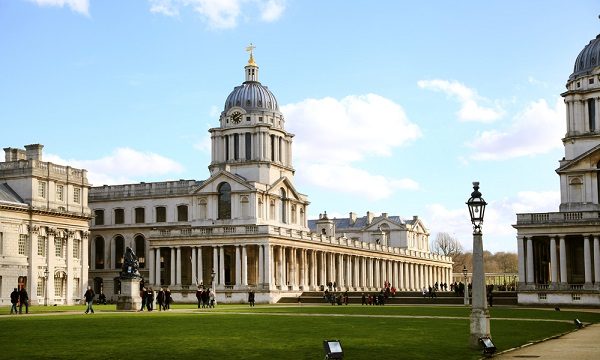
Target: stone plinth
[129,299]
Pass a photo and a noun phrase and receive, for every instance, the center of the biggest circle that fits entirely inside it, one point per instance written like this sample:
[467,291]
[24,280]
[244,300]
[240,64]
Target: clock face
[236,117]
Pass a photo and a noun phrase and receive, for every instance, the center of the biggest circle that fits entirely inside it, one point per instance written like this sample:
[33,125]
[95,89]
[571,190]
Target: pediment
[288,186]
[586,161]
[380,222]
[236,182]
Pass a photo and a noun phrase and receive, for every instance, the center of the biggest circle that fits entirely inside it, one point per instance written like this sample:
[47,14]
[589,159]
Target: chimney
[385,215]
[415,218]
[34,151]
[13,154]
[352,218]
[369,217]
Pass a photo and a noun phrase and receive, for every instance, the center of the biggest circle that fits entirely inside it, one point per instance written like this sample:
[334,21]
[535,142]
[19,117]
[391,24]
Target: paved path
[582,344]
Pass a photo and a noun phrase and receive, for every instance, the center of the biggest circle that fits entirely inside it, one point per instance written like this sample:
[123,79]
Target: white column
[261,264]
[553,261]
[178,265]
[173,266]
[283,266]
[193,260]
[85,261]
[400,285]
[530,279]
[151,270]
[200,273]
[238,268]
[268,261]
[349,282]
[521,260]
[215,264]
[341,271]
[587,259]
[596,260]
[563,260]
[221,265]
[157,266]
[244,266]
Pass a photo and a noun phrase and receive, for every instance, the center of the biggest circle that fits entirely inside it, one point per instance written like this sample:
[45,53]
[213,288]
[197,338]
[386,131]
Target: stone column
[244,266]
[282,268]
[521,260]
[179,265]
[199,273]
[268,261]
[173,261]
[587,260]
[529,271]
[193,261]
[50,258]
[221,266]
[400,285]
[151,269]
[157,266]
[553,262]
[596,260]
[341,283]
[215,264]
[85,261]
[32,268]
[261,265]
[238,268]
[480,317]
[563,261]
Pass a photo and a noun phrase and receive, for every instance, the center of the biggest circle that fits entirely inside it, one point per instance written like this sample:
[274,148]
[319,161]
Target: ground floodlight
[578,323]
[488,346]
[333,349]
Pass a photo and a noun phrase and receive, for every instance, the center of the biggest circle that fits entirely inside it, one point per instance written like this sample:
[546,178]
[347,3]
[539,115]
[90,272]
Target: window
[294,217]
[575,190]
[58,247]
[99,217]
[280,147]
[592,113]
[42,189]
[60,193]
[22,244]
[140,250]
[41,245]
[271,209]
[301,216]
[591,81]
[260,209]
[182,213]
[226,148]
[272,147]
[76,247]
[236,147]
[283,207]
[77,196]
[1,243]
[40,287]
[224,206]
[99,248]
[59,286]
[161,214]
[119,251]
[140,215]
[247,118]
[202,208]
[245,205]
[248,145]
[119,216]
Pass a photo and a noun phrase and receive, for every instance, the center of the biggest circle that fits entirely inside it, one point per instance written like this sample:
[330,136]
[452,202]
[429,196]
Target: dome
[587,59]
[252,96]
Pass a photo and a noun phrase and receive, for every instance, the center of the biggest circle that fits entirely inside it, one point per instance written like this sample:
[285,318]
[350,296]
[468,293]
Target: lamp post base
[480,327]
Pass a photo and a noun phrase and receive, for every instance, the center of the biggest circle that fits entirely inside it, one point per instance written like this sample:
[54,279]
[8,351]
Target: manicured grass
[270,332]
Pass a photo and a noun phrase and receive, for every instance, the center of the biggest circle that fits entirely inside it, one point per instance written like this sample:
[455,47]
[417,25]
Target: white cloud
[129,165]
[221,14]
[536,130]
[468,98]
[79,6]
[332,135]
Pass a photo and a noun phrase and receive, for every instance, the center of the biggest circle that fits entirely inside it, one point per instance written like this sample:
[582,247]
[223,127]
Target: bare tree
[447,245]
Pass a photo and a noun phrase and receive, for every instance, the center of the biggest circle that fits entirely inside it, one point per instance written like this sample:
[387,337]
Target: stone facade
[559,252]
[245,227]
[44,223]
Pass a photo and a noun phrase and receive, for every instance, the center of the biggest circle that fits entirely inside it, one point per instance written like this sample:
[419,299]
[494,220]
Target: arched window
[283,207]
[260,209]
[99,248]
[202,208]
[224,190]
[576,190]
[385,228]
[271,209]
[140,250]
[294,217]
[302,216]
[245,205]
[119,251]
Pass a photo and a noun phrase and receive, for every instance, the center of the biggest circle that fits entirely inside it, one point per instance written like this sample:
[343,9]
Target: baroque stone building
[245,227]
[44,221]
[559,252]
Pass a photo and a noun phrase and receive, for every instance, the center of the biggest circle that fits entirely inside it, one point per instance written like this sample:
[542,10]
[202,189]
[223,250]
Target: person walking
[144,296]
[211,297]
[150,299]
[160,299]
[14,299]
[23,300]
[168,299]
[251,298]
[199,296]
[89,299]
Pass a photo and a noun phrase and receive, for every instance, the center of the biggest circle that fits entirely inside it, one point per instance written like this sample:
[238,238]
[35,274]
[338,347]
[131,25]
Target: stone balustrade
[117,192]
[557,217]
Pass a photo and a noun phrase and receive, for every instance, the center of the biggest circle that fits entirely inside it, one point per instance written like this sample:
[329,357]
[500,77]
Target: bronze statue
[130,265]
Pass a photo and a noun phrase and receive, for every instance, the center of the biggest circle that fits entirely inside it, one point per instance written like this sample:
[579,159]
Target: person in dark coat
[143,295]
[168,299]
[199,296]
[150,299]
[23,300]
[160,299]
[14,299]
[251,298]
[89,299]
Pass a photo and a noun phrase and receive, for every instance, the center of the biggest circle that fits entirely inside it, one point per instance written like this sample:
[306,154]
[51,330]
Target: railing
[542,286]
[45,167]
[557,217]
[181,187]
[576,286]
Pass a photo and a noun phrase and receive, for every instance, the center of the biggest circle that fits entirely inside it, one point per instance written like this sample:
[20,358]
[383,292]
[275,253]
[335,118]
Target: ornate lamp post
[466,289]
[46,274]
[480,316]
[212,283]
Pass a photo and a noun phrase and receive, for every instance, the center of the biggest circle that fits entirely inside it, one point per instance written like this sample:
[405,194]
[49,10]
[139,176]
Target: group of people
[459,288]
[19,298]
[206,298]
[163,299]
[373,299]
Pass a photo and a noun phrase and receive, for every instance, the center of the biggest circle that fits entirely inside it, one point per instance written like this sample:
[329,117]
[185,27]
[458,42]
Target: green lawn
[270,332]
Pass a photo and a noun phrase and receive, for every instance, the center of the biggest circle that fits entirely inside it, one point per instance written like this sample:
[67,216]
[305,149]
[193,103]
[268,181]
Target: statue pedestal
[129,299]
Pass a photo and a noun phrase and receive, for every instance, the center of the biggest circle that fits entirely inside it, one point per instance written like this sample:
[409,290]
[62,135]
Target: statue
[130,265]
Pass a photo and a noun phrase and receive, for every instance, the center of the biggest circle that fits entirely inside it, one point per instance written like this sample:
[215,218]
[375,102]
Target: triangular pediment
[237,183]
[377,224]
[585,161]
[286,184]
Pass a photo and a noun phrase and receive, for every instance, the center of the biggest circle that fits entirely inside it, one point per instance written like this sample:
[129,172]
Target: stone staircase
[403,297]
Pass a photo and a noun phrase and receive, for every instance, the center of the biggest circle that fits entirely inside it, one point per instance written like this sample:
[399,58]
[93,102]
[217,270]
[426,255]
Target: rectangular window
[248,144]
[161,214]
[140,215]
[42,189]
[23,244]
[99,217]
[40,287]
[58,287]
[119,216]
[41,245]
[1,243]
[60,193]
[77,196]
[592,114]
[182,213]
[76,249]
[575,297]
[58,247]
[226,147]
[542,296]
[236,147]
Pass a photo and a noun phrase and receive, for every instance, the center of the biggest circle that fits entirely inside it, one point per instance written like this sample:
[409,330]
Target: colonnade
[290,268]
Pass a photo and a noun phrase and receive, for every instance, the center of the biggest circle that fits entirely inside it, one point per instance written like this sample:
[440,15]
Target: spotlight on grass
[333,349]
[488,346]
[578,323]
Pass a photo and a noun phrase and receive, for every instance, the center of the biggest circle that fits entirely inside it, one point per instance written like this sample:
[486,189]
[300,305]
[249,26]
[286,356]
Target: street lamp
[46,274]
[212,283]
[465,289]
[480,316]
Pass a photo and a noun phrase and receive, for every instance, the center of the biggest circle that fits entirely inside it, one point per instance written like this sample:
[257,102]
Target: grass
[270,332]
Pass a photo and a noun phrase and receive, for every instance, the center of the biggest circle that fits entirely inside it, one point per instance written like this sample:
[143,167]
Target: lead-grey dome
[587,59]
[250,96]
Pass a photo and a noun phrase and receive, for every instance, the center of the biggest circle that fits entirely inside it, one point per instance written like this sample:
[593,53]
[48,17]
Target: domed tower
[251,140]
[580,168]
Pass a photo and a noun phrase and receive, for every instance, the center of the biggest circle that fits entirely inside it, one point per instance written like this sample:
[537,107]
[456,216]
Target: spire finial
[250,48]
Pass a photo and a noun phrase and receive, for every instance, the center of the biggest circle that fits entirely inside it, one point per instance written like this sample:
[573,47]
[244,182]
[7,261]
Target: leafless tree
[447,245]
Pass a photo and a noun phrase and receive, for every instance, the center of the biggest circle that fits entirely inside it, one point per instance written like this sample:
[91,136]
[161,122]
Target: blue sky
[397,106]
